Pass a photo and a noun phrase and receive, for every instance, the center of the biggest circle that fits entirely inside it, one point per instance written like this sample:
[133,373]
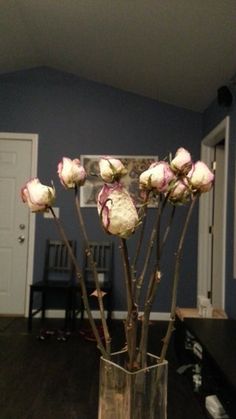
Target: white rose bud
[71,173]
[182,161]
[38,197]
[200,177]
[158,176]
[179,193]
[111,170]
[116,208]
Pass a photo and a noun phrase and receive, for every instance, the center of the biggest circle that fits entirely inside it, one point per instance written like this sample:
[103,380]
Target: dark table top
[218,339]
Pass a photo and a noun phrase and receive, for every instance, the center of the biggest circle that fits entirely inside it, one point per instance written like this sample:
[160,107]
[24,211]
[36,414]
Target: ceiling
[176,51]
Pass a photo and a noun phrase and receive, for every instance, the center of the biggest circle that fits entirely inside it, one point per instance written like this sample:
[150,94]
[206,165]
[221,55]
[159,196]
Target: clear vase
[132,395]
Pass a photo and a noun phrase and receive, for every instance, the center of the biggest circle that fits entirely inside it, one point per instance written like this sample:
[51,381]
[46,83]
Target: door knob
[21,239]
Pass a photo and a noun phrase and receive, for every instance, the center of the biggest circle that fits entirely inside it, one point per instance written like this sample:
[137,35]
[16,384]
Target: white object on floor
[215,408]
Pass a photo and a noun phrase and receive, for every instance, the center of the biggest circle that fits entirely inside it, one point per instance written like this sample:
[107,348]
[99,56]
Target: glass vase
[132,395]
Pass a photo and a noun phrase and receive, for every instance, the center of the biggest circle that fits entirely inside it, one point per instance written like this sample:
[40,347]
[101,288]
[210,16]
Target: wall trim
[116,315]
[205,210]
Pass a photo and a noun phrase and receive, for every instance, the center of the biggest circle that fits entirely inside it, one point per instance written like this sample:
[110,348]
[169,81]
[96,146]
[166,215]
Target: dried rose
[71,173]
[116,208]
[158,176]
[38,197]
[111,169]
[179,193]
[182,161]
[200,177]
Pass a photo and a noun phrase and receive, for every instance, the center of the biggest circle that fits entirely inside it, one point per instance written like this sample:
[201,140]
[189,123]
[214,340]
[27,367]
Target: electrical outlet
[49,214]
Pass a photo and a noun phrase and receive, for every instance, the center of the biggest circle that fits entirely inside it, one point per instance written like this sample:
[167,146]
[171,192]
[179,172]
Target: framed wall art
[135,166]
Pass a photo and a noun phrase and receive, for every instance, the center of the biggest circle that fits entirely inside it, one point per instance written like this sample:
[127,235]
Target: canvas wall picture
[135,166]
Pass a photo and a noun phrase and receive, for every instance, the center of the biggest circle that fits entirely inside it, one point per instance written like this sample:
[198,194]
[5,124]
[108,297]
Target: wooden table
[183,313]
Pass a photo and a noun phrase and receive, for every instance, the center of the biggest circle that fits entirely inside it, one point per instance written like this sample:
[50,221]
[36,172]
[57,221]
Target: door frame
[205,211]
[33,138]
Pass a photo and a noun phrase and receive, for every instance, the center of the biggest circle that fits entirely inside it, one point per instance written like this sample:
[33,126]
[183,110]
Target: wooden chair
[102,254]
[58,279]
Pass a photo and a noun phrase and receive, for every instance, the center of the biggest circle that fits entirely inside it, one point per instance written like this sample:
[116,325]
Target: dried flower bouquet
[174,183]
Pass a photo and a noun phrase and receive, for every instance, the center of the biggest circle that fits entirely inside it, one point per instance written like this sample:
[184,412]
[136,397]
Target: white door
[16,167]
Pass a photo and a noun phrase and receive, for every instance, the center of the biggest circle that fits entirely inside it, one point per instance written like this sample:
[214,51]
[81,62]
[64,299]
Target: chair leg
[43,306]
[68,308]
[73,306]
[109,308]
[30,310]
[82,310]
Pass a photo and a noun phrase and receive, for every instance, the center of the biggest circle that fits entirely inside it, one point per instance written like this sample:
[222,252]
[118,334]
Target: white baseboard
[121,315]
[117,315]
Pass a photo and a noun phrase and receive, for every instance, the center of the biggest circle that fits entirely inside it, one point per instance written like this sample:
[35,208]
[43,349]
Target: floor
[57,379]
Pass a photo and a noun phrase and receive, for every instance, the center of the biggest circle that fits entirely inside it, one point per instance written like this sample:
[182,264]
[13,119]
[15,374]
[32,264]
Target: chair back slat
[102,254]
[57,260]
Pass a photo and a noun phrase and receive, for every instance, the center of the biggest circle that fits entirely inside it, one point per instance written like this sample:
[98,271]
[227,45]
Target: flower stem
[141,277]
[168,227]
[95,274]
[142,217]
[132,316]
[81,282]
[170,328]
[151,292]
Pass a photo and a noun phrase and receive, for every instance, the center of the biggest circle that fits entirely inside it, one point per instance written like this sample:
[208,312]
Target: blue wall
[73,117]
[212,116]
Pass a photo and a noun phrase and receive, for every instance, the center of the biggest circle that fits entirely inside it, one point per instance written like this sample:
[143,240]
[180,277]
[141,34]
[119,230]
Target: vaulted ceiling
[176,51]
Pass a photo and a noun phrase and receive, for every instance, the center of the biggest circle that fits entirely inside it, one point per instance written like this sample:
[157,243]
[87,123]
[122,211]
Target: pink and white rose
[71,173]
[158,176]
[117,210]
[111,169]
[182,161]
[38,197]
[200,177]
